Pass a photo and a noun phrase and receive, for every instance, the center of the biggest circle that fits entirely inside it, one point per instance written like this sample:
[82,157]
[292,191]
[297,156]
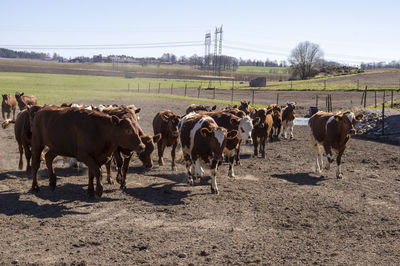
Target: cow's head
[18,95]
[245,107]
[259,117]
[245,128]
[209,109]
[291,105]
[172,124]
[346,122]
[216,139]
[149,143]
[5,97]
[128,134]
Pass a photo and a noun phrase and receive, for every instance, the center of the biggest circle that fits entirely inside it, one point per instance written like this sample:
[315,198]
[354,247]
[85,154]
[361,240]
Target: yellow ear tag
[337,119]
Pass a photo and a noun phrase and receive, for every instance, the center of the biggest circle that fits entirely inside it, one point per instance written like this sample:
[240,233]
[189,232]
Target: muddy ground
[275,212]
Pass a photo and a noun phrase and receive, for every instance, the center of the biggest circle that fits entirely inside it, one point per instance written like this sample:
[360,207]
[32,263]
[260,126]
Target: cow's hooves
[173,168]
[214,191]
[122,187]
[52,187]
[110,181]
[35,189]
[190,182]
[339,176]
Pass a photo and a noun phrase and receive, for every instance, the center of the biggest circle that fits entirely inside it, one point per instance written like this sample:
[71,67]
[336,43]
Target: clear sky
[348,31]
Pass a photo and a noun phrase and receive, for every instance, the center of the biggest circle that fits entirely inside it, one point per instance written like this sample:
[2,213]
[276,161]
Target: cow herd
[102,135]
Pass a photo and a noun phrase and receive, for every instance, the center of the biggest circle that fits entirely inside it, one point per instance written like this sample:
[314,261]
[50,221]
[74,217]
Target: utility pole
[207,50]
[217,50]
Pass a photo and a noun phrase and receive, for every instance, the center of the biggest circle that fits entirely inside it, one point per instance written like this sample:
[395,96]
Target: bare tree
[304,57]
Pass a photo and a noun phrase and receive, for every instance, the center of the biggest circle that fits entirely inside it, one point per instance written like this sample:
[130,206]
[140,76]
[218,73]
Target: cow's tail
[179,153]
[6,122]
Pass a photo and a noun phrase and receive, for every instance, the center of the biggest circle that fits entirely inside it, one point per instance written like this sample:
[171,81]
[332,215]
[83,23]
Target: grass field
[256,69]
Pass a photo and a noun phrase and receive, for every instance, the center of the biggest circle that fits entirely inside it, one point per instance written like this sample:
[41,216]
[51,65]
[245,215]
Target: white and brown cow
[331,132]
[239,130]
[202,143]
[288,116]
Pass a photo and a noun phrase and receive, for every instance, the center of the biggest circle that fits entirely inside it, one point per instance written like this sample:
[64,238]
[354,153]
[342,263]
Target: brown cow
[166,124]
[288,116]
[202,142]
[145,156]
[23,136]
[331,131]
[277,121]
[23,101]
[89,136]
[8,104]
[235,111]
[262,129]
[200,107]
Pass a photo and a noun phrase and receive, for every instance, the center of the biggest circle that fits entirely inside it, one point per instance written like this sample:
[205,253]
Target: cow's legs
[94,171]
[339,174]
[198,170]
[188,163]
[318,156]
[173,155]
[255,144]
[8,115]
[108,169]
[214,169]
[36,153]
[21,151]
[14,114]
[329,156]
[125,167]
[119,162]
[231,172]
[284,129]
[237,157]
[49,163]
[291,125]
[262,147]
[2,112]
[161,147]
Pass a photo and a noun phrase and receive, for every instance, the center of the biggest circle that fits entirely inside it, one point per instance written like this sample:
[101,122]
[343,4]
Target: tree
[303,59]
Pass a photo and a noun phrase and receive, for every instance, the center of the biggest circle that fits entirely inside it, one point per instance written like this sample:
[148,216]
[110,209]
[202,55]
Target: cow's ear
[205,132]
[156,138]
[164,117]
[232,134]
[115,120]
[22,94]
[248,102]
[137,110]
[338,117]
[234,122]
[235,106]
[359,117]
[256,121]
[214,107]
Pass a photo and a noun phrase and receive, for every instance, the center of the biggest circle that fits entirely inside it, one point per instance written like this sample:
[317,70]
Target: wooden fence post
[375,99]
[232,91]
[172,85]
[316,101]
[365,96]
[185,88]
[198,92]
[362,98]
[252,97]
[324,85]
[291,85]
[383,114]
[138,87]
[391,99]
[214,93]
[277,98]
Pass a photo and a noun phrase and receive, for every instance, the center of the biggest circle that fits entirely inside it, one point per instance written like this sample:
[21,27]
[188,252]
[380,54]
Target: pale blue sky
[347,31]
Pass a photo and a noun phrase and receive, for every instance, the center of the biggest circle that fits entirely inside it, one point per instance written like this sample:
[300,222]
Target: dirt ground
[275,212]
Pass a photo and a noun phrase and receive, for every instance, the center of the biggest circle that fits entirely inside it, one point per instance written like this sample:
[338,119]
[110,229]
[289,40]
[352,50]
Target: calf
[123,156]
[200,107]
[166,124]
[288,116]
[331,131]
[202,142]
[23,101]
[89,136]
[8,104]
[262,122]
[239,130]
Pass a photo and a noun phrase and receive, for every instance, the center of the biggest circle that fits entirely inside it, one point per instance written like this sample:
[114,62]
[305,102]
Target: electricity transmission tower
[217,51]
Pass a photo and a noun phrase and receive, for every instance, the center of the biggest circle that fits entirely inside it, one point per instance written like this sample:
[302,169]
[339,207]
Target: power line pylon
[217,51]
[207,50]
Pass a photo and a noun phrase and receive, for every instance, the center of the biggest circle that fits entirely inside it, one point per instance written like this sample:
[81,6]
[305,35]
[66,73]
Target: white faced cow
[202,143]
[288,116]
[331,132]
